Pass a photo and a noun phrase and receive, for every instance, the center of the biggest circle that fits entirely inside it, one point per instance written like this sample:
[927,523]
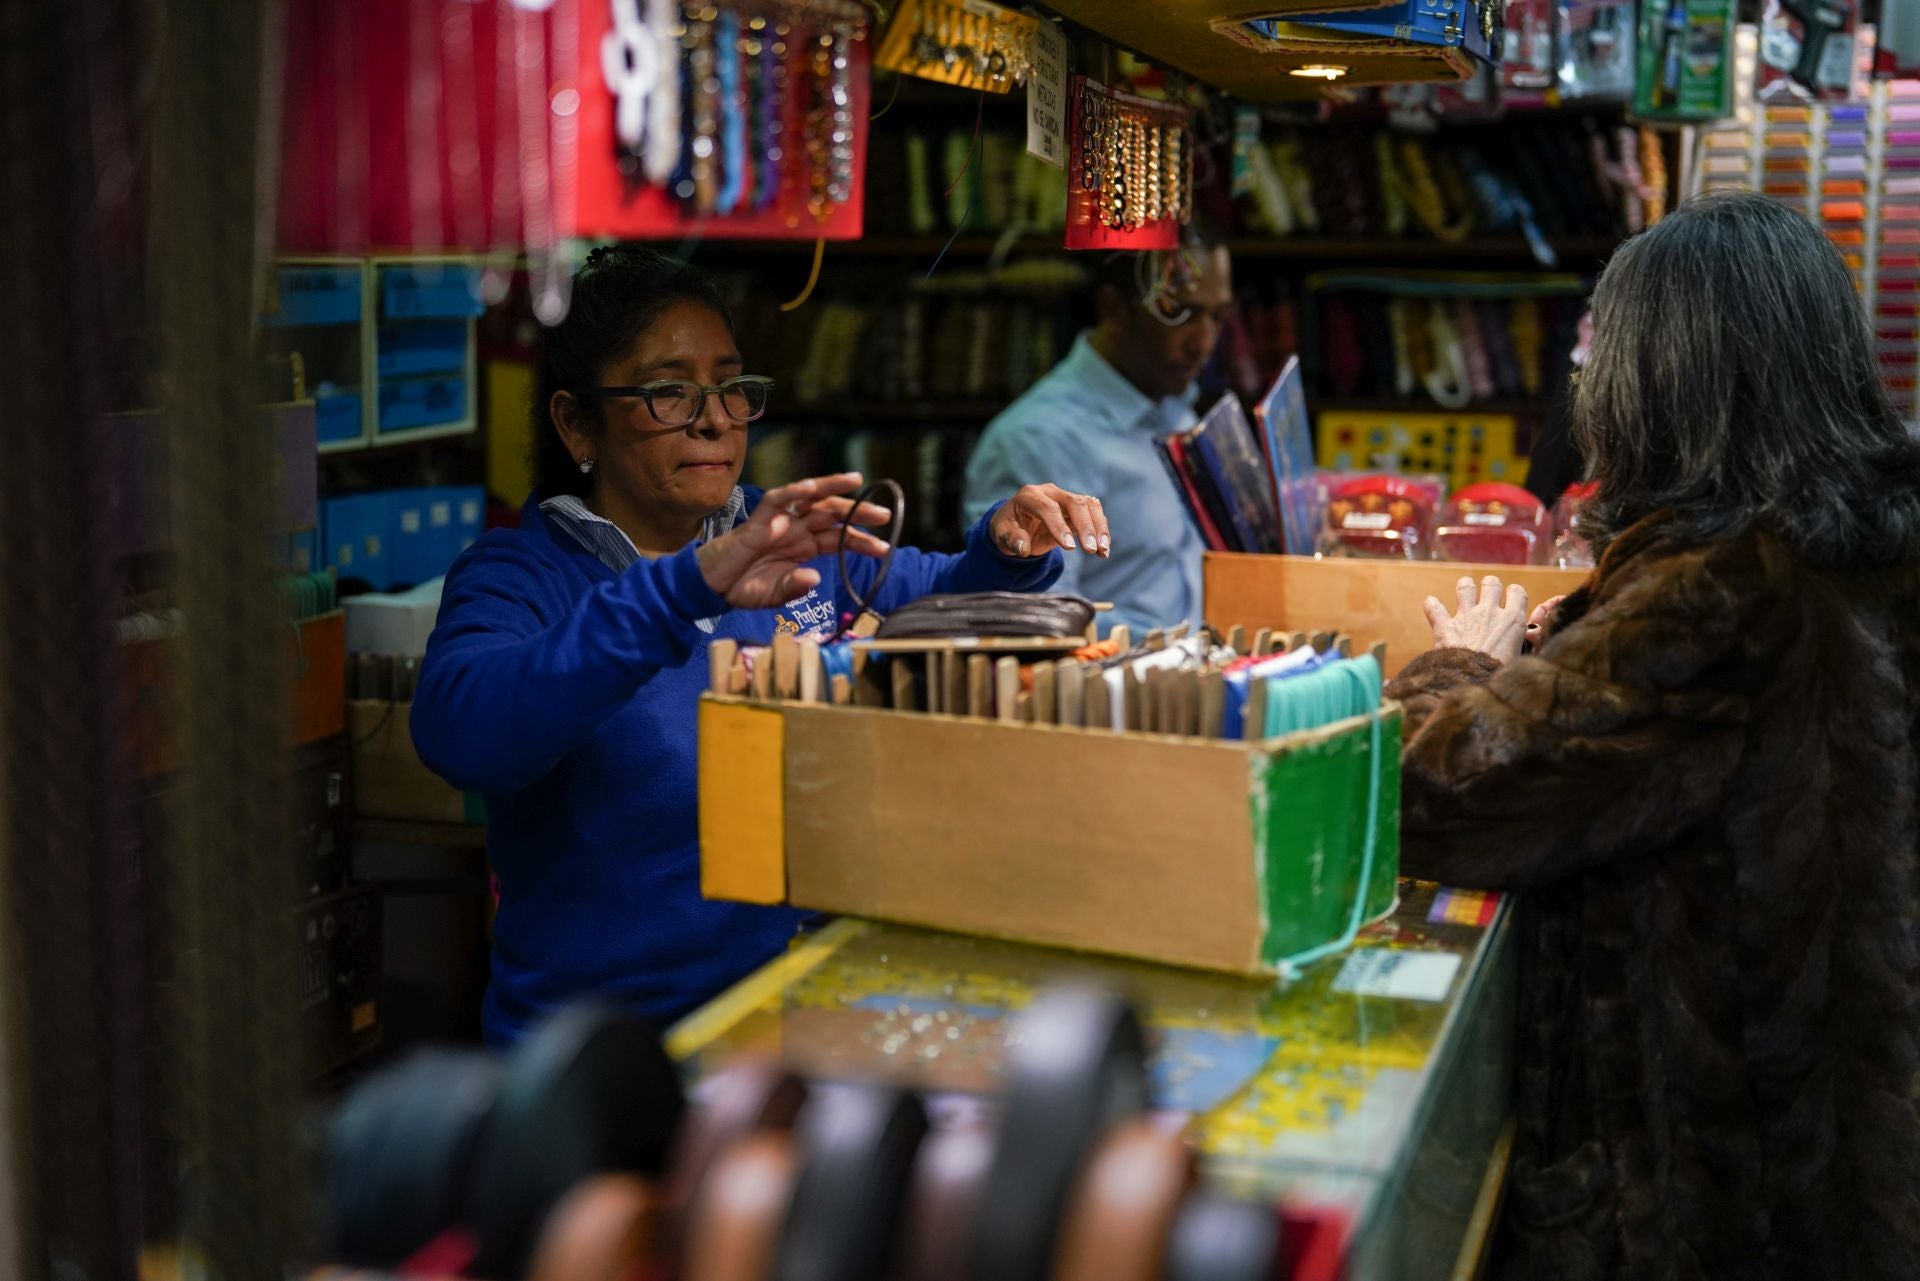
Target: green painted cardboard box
[1199,852]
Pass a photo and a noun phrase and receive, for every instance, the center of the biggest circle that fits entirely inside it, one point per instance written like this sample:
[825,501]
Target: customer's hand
[1039,518]
[762,562]
[1483,623]
[1540,622]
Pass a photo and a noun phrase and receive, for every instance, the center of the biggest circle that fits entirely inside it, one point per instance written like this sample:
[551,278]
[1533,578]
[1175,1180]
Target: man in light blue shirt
[1089,426]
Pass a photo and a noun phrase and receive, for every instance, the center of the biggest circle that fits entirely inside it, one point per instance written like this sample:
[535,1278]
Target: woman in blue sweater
[563,676]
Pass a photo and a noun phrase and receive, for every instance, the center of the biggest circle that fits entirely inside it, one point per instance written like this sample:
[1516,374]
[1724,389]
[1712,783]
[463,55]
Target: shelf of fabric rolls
[1572,250]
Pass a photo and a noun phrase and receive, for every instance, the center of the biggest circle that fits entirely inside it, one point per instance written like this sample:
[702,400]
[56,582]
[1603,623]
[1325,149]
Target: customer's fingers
[1490,591]
[1464,589]
[1516,600]
[1437,616]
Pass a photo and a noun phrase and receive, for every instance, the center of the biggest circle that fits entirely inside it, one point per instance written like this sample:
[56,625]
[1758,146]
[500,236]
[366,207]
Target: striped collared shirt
[610,544]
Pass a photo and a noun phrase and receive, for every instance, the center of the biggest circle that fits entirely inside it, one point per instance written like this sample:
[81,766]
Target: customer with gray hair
[1707,777]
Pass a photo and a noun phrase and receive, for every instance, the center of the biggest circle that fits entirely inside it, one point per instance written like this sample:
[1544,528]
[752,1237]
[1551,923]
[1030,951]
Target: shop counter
[1376,1083]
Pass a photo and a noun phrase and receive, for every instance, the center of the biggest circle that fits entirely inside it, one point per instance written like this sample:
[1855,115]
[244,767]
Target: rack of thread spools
[1854,168]
[1408,365]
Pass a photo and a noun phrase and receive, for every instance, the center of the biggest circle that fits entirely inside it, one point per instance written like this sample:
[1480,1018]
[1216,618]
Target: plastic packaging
[1389,517]
[1570,547]
[1596,46]
[1493,523]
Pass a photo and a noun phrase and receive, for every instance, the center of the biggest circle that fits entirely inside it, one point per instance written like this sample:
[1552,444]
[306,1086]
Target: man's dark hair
[617,293]
[1129,272]
[1734,381]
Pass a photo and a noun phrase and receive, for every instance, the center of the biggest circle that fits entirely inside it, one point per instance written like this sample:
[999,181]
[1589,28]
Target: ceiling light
[1319,72]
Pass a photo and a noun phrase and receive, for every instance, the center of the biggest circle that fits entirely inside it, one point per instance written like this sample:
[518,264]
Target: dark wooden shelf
[1423,404]
[394,831]
[470,439]
[971,245]
[1576,252]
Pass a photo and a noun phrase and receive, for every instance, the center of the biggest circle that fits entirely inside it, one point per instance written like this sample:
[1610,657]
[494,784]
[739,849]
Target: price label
[1402,976]
[1047,96]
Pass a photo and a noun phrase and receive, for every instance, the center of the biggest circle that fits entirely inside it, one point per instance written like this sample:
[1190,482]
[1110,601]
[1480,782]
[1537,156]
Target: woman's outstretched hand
[1540,622]
[1039,518]
[1484,622]
[761,563]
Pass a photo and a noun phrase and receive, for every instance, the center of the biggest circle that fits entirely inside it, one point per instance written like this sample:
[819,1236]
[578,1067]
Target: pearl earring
[586,465]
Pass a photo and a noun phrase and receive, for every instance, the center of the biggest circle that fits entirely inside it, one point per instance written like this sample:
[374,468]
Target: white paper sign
[1405,976]
[1047,96]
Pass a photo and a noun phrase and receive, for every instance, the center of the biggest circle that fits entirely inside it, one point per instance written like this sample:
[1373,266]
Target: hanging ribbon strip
[744,119]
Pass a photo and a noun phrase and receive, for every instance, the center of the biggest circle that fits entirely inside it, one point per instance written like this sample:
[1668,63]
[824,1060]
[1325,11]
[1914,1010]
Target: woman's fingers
[1042,505]
[1100,529]
[1078,511]
[796,583]
[795,496]
[858,540]
[1490,591]
[1466,592]
[1437,616]
[799,496]
[831,513]
[1516,600]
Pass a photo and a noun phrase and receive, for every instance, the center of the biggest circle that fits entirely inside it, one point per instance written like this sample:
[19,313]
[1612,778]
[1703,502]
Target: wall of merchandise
[1854,168]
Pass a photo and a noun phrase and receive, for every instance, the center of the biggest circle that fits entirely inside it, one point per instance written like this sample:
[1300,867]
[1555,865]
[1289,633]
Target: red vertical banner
[464,125]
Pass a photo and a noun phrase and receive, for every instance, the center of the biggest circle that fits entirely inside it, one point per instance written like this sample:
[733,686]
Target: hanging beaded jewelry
[1156,190]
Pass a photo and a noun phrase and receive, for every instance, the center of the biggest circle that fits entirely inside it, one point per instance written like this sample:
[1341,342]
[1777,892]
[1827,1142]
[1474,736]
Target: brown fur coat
[1707,781]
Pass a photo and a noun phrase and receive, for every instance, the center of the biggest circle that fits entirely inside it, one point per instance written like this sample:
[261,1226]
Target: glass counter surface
[1376,1081]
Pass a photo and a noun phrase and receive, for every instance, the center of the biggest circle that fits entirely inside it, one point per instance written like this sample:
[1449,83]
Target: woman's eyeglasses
[675,402]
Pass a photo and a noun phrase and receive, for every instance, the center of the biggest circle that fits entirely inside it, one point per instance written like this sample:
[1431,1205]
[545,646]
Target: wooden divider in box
[1206,853]
[1362,598]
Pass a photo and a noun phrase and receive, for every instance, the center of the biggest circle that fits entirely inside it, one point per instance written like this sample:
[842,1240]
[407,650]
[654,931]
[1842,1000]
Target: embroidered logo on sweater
[806,616]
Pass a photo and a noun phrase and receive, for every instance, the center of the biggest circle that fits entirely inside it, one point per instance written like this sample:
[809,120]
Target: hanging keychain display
[970,43]
[1685,60]
[746,119]
[1129,170]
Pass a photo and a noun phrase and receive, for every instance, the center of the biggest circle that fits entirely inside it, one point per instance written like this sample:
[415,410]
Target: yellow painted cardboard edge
[743,852]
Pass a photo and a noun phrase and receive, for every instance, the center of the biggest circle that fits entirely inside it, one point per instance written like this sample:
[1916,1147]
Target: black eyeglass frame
[647,391]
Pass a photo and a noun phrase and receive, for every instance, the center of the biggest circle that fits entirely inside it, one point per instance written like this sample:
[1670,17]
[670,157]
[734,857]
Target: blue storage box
[415,559]
[337,416]
[441,531]
[299,552]
[469,516]
[359,533]
[430,291]
[426,347]
[315,296]
[422,402]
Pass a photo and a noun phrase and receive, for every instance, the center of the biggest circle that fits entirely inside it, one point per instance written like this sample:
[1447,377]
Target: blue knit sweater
[566,694]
